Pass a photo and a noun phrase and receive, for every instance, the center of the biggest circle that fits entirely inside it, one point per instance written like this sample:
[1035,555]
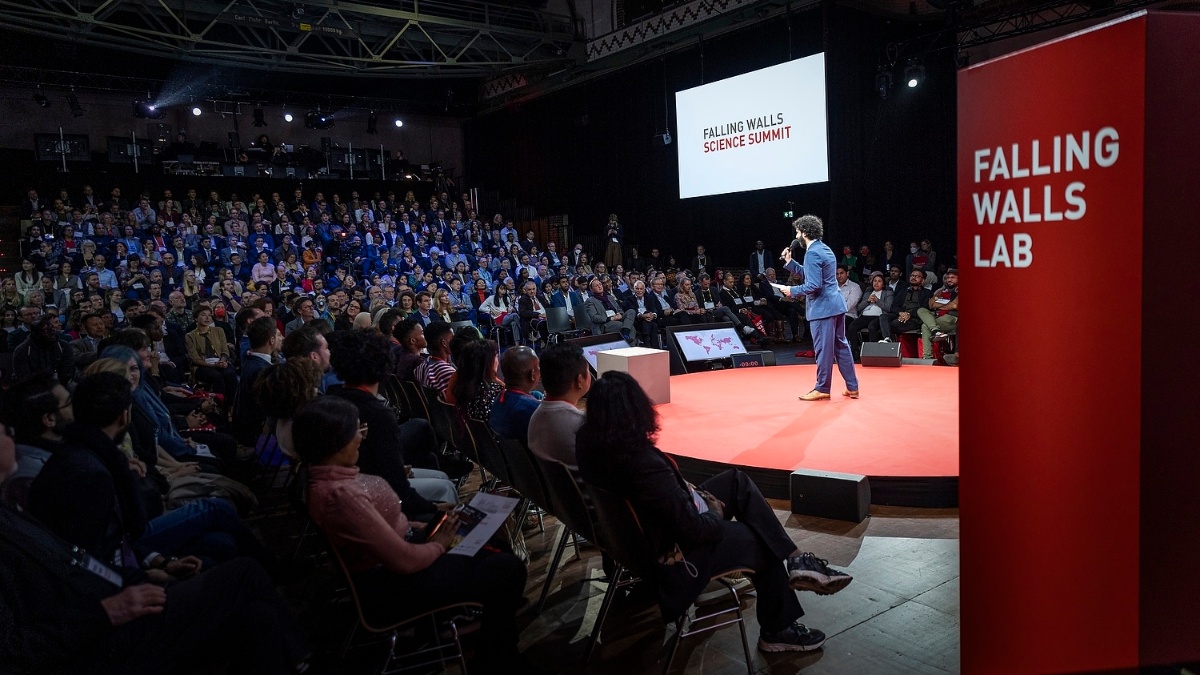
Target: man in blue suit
[824,308]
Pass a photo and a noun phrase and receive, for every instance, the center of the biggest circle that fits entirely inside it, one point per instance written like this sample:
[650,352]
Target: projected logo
[758,130]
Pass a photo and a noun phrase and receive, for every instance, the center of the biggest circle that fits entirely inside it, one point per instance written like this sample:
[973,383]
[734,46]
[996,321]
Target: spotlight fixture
[148,110]
[73,104]
[41,99]
[260,119]
[883,82]
[399,123]
[318,120]
[197,111]
[287,117]
[372,121]
[914,74]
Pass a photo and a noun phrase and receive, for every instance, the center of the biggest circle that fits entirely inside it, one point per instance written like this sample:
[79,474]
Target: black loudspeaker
[881,354]
[825,494]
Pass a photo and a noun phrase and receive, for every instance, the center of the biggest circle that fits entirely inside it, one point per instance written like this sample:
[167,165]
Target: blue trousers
[829,344]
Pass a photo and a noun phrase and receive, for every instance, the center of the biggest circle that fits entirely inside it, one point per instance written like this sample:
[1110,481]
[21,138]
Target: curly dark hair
[360,357]
[281,389]
[810,226]
[620,416]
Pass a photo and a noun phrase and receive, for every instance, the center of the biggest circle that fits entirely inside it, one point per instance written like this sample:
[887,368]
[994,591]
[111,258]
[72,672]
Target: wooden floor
[900,615]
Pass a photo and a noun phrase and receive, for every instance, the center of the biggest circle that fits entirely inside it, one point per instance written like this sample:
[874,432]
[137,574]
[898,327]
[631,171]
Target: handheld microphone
[793,246]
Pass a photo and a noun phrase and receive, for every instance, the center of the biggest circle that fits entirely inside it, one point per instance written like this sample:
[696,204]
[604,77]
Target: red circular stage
[902,433]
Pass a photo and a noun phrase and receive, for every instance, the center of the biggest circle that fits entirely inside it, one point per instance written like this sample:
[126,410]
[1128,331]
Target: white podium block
[650,367]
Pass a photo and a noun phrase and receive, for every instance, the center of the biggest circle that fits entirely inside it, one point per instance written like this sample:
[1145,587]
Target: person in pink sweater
[397,571]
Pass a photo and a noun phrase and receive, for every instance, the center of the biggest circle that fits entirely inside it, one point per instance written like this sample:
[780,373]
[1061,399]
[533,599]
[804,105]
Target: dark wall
[588,151]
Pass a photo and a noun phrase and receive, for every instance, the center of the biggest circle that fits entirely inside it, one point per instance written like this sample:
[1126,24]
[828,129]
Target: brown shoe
[815,395]
[851,394]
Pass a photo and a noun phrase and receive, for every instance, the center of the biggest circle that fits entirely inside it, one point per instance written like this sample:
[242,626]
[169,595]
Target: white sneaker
[885,341]
[748,330]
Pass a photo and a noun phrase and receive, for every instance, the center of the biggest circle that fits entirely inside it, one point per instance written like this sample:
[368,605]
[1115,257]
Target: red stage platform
[902,433]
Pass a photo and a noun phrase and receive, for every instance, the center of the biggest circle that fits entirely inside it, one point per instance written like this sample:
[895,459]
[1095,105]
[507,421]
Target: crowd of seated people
[200,330]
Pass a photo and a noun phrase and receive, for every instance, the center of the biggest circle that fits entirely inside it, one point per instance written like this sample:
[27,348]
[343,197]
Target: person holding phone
[400,570]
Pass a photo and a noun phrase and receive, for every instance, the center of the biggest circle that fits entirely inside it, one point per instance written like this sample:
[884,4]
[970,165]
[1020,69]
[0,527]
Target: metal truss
[378,38]
[217,93]
[973,29]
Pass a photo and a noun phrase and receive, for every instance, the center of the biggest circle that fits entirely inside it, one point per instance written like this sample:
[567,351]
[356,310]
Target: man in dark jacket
[43,352]
[905,303]
[248,417]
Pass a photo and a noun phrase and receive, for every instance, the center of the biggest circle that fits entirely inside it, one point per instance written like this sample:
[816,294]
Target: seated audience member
[940,317]
[905,302]
[410,337]
[398,573]
[309,343]
[43,352]
[515,405]
[604,312]
[208,351]
[86,494]
[435,371]
[616,452]
[37,411]
[532,311]
[248,417]
[554,423]
[281,390]
[872,308]
[360,359]
[63,618]
[645,310]
[474,387]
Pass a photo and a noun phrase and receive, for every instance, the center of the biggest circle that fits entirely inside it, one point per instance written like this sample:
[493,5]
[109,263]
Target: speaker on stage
[825,494]
[885,354]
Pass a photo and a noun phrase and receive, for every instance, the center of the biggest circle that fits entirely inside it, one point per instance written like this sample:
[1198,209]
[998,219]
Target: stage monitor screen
[759,130]
[706,344]
[591,351]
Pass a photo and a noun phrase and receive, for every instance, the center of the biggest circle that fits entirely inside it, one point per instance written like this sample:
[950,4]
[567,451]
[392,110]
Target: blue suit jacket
[820,282]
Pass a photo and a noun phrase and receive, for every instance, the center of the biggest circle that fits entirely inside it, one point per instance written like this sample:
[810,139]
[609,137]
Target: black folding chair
[568,505]
[619,533]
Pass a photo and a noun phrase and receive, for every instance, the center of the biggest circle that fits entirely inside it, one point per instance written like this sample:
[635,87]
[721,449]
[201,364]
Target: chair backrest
[566,501]
[416,399]
[456,325]
[619,532]
[526,478]
[581,317]
[443,417]
[557,320]
[487,450]
[392,390]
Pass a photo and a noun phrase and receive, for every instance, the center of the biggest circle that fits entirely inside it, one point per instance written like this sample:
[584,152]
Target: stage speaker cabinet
[885,354]
[825,494]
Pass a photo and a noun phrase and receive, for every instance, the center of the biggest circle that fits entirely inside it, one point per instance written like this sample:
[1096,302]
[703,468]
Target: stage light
[73,104]
[260,119]
[196,111]
[883,82]
[287,117]
[318,120]
[148,110]
[41,99]
[372,121]
[914,74]
[399,123]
